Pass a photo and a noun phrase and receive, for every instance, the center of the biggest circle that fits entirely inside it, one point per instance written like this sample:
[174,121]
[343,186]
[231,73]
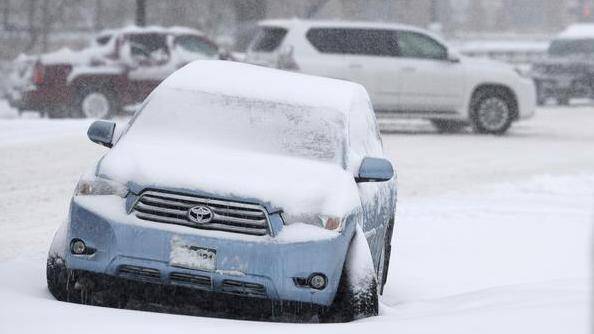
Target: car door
[427,79]
[365,141]
[149,58]
[353,54]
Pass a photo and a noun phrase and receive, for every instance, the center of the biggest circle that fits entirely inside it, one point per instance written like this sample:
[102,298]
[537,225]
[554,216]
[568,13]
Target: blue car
[239,181]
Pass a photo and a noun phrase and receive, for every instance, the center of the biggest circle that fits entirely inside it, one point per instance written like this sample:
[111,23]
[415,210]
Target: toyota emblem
[200,214]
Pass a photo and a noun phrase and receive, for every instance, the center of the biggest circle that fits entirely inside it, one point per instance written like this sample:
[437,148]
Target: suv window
[370,42]
[416,45]
[269,39]
[197,44]
[567,47]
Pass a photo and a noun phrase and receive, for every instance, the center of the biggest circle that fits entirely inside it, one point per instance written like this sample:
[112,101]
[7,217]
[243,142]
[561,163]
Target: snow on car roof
[132,29]
[266,84]
[290,23]
[578,31]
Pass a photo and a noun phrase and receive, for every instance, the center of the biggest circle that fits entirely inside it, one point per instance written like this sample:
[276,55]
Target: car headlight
[94,185]
[327,222]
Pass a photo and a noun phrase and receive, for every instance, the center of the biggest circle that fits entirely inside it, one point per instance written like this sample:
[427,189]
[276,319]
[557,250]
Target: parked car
[258,182]
[120,68]
[568,71]
[407,71]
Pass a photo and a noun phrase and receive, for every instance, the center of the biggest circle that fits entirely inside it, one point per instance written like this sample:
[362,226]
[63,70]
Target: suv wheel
[97,103]
[492,113]
[447,126]
[357,295]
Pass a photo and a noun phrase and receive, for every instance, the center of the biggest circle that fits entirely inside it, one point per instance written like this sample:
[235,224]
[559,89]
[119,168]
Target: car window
[566,47]
[364,136]
[149,47]
[371,42]
[269,39]
[197,44]
[416,45]
[103,40]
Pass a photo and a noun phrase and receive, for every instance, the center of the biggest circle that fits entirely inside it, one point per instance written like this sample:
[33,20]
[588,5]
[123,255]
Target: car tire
[60,281]
[96,103]
[447,126]
[355,298]
[384,262]
[492,112]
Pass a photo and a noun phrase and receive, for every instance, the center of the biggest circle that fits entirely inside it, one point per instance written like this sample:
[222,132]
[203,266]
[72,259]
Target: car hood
[294,185]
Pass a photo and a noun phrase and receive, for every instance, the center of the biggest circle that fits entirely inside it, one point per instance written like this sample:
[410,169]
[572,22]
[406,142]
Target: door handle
[409,69]
[355,65]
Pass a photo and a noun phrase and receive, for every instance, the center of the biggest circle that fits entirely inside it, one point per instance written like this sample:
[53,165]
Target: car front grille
[228,216]
[243,288]
[140,273]
[195,281]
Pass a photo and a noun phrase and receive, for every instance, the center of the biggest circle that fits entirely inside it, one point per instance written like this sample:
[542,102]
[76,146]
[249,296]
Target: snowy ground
[494,234]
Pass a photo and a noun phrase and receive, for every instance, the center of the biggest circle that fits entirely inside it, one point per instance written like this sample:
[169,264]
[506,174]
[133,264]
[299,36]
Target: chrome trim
[228,216]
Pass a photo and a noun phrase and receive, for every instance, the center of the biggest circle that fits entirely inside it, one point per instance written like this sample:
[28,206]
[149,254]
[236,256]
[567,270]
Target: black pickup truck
[568,70]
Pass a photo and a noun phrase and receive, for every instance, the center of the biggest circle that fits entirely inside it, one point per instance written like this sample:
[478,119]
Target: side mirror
[375,170]
[101,132]
[453,57]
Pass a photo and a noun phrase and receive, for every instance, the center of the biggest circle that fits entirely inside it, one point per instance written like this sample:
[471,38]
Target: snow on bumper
[273,264]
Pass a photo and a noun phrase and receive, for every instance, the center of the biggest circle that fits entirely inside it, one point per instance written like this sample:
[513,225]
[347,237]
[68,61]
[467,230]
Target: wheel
[96,102]
[384,261]
[447,126]
[357,294]
[60,282]
[492,113]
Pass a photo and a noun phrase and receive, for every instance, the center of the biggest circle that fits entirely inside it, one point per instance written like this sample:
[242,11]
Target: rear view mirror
[101,132]
[375,170]
[453,57]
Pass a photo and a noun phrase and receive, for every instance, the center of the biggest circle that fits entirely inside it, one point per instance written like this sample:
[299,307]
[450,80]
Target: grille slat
[199,281]
[140,273]
[228,216]
[243,288]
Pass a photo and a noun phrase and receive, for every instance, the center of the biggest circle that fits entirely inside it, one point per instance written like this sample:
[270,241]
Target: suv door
[355,54]
[428,81]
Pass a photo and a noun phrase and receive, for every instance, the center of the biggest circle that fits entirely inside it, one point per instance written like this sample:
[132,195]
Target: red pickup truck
[120,68]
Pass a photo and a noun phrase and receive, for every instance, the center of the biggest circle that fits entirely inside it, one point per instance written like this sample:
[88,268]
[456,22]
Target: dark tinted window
[415,45]
[566,47]
[197,44]
[373,42]
[102,40]
[268,39]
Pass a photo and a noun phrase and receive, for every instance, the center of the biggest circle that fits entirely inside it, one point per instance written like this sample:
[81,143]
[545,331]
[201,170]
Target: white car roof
[151,29]
[292,23]
[578,31]
[265,84]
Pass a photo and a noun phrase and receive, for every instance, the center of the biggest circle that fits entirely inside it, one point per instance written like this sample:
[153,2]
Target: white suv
[407,71]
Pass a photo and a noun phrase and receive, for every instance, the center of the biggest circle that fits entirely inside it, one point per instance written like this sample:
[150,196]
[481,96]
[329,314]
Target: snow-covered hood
[294,185]
[486,63]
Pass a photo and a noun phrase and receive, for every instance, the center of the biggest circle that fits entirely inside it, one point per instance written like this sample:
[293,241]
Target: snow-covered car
[120,68]
[257,182]
[568,70]
[407,71]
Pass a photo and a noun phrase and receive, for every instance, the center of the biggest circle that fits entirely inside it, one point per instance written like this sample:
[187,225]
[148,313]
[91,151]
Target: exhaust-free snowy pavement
[493,235]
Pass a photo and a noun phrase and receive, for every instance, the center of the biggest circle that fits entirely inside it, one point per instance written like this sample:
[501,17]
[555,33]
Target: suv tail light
[38,74]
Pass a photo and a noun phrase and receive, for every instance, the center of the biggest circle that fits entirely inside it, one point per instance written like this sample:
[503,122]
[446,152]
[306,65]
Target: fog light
[78,247]
[317,281]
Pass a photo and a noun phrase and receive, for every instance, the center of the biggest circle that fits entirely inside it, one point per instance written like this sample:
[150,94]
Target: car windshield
[237,123]
[569,47]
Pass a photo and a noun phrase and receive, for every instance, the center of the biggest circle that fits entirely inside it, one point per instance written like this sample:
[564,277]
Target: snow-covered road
[494,234]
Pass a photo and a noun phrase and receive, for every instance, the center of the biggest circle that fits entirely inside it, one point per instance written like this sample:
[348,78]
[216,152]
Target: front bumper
[526,94]
[262,266]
